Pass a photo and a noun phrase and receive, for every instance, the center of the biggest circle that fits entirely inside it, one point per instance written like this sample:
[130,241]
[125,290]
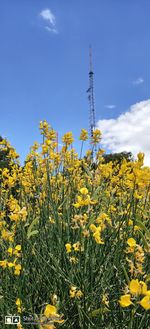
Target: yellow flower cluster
[67,221]
[75,293]
[137,257]
[136,288]
[76,247]
[84,199]
[84,135]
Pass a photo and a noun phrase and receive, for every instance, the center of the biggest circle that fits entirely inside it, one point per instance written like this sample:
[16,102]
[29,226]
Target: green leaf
[143,227]
[98,312]
[32,233]
[34,222]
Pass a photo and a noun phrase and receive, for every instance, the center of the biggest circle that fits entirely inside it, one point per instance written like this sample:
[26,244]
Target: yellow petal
[125,300]
[50,310]
[145,302]
[131,242]
[135,287]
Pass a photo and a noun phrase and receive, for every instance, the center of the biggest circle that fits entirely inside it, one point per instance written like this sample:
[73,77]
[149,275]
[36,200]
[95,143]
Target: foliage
[75,240]
[118,157]
[7,154]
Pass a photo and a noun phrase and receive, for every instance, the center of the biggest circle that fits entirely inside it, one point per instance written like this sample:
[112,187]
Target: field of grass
[74,239]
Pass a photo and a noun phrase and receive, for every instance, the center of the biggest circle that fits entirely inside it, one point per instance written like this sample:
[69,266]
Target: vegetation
[74,240]
[118,157]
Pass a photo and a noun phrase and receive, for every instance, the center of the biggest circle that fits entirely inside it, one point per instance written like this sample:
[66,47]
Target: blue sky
[45,62]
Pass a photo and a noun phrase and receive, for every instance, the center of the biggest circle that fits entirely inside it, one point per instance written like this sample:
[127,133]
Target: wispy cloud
[49,29]
[138,81]
[110,107]
[50,20]
[129,132]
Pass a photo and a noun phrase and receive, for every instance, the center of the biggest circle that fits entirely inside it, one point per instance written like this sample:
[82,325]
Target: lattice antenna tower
[91,102]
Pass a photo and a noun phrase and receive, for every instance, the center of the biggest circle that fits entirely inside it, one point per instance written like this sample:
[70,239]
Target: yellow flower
[50,310]
[76,246]
[79,294]
[3,263]
[10,251]
[84,135]
[93,228]
[96,136]
[17,269]
[105,300]
[68,247]
[74,293]
[145,302]
[140,157]
[74,260]
[19,326]
[131,242]
[23,213]
[68,138]
[97,237]
[18,303]
[135,287]
[143,288]
[10,264]
[125,300]
[18,247]
[84,191]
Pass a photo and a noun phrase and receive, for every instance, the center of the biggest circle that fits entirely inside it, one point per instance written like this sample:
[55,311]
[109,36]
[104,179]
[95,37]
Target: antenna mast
[91,103]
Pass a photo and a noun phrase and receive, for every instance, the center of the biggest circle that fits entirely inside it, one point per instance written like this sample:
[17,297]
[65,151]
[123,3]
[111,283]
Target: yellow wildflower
[18,247]
[96,136]
[131,242]
[135,287]
[84,191]
[145,302]
[73,291]
[93,228]
[97,237]
[76,246]
[105,300]
[3,263]
[17,269]
[68,138]
[51,312]
[143,288]
[84,135]
[79,294]
[68,247]
[10,264]
[125,301]
[18,303]
[74,260]
[23,213]
[10,251]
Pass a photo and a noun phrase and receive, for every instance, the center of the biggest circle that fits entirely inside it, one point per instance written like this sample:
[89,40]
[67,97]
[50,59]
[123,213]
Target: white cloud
[129,132]
[50,20]
[49,29]
[110,107]
[138,81]
[48,16]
